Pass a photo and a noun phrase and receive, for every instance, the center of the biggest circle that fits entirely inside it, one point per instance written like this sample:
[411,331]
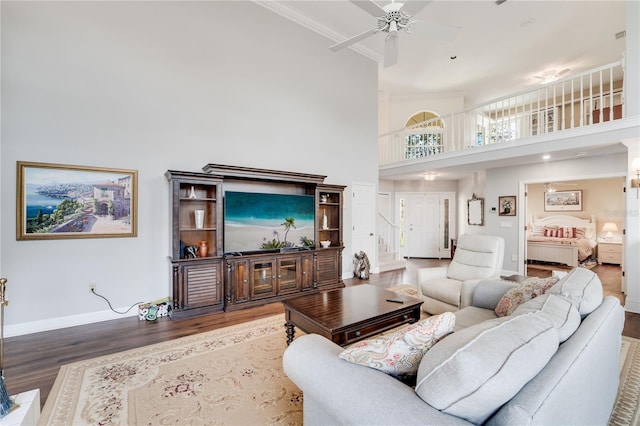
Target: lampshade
[609,227]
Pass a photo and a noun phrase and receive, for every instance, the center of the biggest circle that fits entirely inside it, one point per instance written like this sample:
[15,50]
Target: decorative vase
[204,249]
[199,214]
[324,220]
[192,193]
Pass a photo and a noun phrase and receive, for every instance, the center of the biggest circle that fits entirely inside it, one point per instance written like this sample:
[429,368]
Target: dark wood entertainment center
[222,281]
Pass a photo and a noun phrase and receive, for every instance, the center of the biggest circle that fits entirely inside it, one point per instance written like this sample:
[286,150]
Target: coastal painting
[57,201]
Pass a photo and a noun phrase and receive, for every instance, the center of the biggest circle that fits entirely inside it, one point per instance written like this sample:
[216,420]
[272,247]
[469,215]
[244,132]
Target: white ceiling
[498,49]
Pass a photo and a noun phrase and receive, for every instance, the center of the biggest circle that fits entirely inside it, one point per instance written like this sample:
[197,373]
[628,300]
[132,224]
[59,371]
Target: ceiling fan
[551,75]
[552,186]
[392,18]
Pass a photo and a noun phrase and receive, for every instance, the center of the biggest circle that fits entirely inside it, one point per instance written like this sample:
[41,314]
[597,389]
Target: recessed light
[546,157]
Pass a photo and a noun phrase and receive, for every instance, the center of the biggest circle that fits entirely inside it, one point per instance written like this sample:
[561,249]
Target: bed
[561,239]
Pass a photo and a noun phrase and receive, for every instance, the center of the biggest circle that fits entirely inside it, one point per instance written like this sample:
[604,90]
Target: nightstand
[610,252]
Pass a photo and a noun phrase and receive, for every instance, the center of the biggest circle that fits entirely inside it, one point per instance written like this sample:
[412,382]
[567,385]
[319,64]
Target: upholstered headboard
[565,220]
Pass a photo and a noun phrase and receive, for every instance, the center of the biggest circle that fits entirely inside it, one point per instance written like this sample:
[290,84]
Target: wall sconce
[635,183]
[609,229]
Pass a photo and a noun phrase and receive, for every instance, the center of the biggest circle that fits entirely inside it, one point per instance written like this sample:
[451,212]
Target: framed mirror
[475,211]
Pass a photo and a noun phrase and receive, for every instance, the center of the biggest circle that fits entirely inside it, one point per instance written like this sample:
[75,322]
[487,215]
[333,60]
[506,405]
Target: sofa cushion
[524,291]
[561,312]
[399,352]
[472,372]
[582,287]
[472,315]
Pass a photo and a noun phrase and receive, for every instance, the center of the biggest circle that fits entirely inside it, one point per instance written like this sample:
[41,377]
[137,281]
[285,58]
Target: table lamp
[609,228]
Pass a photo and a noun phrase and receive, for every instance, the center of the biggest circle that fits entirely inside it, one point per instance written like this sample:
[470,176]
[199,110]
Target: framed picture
[563,201]
[507,205]
[56,201]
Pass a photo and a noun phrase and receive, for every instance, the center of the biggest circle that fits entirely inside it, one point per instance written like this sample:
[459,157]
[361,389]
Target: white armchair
[447,289]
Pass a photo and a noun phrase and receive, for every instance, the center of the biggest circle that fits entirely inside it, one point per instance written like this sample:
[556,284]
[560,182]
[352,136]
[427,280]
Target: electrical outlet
[92,287]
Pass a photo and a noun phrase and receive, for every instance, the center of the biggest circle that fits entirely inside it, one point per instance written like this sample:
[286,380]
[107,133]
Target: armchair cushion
[443,289]
[477,257]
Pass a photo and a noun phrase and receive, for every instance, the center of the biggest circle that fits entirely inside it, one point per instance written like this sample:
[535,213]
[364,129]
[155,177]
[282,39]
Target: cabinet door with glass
[289,275]
[262,278]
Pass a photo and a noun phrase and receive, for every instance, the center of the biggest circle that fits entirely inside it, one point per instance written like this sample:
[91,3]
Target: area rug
[231,376]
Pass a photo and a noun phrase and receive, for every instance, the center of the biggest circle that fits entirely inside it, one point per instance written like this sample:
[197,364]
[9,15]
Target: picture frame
[563,201]
[507,205]
[61,201]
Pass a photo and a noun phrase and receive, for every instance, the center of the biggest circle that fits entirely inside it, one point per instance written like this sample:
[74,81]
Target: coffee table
[349,314]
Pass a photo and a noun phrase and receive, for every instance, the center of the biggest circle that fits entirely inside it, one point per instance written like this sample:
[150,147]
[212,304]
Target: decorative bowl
[325,244]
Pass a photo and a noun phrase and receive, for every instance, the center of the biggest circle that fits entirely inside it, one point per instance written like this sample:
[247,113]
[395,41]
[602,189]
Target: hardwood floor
[32,361]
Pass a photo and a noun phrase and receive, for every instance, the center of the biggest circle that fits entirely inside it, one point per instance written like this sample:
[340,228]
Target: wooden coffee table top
[363,308]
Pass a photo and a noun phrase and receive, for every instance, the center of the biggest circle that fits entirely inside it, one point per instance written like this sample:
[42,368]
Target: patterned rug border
[61,398]
[626,408]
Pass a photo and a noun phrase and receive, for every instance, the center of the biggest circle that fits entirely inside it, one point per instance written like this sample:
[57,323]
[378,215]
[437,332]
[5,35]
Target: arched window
[424,135]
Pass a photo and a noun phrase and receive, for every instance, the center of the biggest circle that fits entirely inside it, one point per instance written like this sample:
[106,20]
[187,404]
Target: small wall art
[56,201]
[507,205]
[563,201]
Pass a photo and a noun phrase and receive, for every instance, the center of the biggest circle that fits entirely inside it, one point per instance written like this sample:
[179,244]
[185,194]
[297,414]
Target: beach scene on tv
[259,221]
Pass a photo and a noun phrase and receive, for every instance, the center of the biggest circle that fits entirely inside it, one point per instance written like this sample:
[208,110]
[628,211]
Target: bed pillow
[474,371]
[523,292]
[399,353]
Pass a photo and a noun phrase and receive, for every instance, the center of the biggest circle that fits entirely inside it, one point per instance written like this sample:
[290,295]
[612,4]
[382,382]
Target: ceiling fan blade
[563,72]
[370,7]
[353,40]
[414,6]
[390,51]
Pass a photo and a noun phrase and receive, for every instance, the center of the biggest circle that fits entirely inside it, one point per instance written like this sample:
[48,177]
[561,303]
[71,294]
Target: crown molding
[306,22]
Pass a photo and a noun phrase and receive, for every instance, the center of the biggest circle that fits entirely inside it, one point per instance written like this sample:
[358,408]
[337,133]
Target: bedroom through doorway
[576,223]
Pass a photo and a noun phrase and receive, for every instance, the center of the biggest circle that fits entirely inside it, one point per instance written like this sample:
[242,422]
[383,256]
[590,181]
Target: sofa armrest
[339,392]
[487,293]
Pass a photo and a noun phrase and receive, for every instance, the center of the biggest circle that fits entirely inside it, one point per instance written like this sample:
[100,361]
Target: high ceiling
[498,49]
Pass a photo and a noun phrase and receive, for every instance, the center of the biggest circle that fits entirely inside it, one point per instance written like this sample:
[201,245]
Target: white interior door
[422,225]
[364,220]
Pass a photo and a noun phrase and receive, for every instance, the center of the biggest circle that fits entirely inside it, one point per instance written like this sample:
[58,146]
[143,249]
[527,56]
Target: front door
[422,225]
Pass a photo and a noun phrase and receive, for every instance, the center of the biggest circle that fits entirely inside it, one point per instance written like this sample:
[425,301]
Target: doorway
[426,224]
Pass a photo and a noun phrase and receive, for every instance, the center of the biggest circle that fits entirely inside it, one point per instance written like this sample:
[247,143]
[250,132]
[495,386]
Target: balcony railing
[585,99]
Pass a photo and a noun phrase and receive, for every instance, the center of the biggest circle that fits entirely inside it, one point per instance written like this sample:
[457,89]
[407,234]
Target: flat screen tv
[256,221]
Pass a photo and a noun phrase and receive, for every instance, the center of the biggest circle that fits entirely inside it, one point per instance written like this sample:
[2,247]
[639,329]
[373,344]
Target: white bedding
[542,246]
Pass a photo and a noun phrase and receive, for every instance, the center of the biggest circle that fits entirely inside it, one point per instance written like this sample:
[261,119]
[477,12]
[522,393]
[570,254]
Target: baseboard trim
[64,322]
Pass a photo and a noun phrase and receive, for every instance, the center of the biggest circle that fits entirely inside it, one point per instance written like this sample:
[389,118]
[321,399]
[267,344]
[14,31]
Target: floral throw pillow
[525,291]
[399,353]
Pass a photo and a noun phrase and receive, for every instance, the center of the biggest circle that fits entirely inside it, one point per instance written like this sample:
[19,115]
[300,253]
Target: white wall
[153,86]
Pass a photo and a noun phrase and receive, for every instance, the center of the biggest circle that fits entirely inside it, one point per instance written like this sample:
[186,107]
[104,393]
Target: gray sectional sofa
[554,361]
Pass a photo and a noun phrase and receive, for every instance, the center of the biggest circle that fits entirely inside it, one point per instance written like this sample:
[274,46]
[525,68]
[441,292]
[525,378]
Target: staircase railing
[388,237]
[584,99]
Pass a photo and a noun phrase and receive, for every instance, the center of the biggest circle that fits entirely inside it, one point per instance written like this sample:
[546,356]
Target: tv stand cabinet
[218,282]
